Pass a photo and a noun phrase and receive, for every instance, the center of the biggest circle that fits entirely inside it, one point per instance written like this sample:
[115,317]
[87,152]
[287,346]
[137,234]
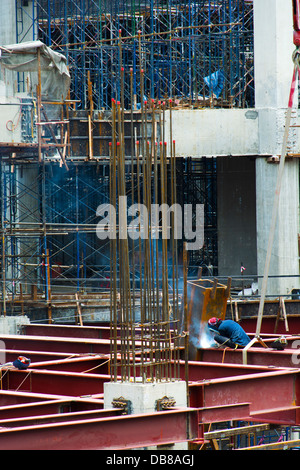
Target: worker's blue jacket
[231,329]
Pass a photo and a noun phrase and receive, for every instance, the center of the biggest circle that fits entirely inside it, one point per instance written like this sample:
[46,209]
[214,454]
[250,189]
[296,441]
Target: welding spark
[205,338]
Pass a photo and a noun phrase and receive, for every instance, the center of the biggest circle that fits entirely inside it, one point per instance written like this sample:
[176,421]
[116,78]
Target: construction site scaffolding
[199,52]
[67,248]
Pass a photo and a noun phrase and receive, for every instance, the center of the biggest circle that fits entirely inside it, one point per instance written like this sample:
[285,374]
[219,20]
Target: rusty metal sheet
[207,299]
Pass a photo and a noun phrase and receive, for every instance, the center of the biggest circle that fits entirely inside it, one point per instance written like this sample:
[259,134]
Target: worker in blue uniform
[229,333]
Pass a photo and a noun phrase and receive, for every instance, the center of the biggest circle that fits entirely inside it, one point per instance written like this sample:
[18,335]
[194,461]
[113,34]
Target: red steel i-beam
[288,416]
[255,356]
[45,406]
[99,364]
[87,363]
[55,344]
[35,356]
[21,398]
[67,331]
[58,417]
[54,382]
[111,433]
[269,324]
[265,391]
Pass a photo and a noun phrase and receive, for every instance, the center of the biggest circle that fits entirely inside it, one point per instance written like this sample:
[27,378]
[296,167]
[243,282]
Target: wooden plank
[224,433]
[284,314]
[78,309]
[274,445]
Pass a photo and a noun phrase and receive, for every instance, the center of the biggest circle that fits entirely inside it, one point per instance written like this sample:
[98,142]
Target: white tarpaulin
[55,77]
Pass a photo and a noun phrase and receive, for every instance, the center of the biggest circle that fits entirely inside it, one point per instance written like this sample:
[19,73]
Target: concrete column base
[145,397]
[10,325]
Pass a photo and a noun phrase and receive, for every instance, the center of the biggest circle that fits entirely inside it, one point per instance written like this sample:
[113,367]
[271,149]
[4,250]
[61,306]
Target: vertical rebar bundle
[144,285]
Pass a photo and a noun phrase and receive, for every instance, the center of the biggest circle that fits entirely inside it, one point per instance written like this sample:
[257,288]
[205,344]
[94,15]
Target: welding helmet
[214,321]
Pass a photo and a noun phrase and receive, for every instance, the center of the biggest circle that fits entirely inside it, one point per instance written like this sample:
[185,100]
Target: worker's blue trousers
[226,342]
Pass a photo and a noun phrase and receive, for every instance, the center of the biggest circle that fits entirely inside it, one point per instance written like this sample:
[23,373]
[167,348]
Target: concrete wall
[10,125]
[285,255]
[11,325]
[231,132]
[214,132]
[8,15]
[236,215]
[273,46]
[8,114]
[8,22]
